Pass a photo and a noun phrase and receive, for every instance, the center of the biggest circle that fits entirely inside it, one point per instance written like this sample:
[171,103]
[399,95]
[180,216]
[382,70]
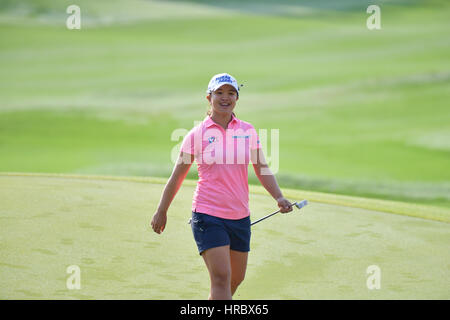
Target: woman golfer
[222,146]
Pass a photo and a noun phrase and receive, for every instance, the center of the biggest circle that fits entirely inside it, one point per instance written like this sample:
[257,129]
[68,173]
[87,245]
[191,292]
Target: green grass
[363,124]
[101,225]
[359,112]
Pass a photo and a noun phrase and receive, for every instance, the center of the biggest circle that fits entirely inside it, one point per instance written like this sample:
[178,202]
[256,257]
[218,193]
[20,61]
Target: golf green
[101,225]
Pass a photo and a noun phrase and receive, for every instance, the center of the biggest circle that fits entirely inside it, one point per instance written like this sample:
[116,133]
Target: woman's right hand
[159,221]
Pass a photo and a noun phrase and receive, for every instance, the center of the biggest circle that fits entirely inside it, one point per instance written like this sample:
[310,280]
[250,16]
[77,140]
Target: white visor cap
[221,79]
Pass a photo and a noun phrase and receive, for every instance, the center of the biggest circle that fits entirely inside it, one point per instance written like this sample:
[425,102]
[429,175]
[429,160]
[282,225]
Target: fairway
[100,224]
[359,112]
[355,120]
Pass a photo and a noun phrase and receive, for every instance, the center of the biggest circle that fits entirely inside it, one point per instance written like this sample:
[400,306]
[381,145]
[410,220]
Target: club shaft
[263,218]
[268,216]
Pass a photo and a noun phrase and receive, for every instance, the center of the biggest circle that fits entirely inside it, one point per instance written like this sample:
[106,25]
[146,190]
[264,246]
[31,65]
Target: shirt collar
[209,122]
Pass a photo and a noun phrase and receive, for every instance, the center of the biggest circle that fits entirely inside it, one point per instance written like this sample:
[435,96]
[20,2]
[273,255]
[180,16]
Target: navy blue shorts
[210,232]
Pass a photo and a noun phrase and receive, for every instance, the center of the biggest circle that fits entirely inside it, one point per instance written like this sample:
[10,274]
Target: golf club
[299,205]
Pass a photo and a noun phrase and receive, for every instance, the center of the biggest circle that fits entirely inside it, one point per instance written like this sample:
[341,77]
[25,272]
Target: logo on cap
[224,78]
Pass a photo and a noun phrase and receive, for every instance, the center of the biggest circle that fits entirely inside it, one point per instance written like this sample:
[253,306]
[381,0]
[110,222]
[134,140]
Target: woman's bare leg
[218,263]
[238,261]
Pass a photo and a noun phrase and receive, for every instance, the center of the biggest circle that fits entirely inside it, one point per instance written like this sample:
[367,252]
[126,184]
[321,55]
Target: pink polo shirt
[222,158]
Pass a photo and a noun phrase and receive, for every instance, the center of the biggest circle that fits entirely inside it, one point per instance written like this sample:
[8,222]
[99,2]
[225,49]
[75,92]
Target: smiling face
[223,100]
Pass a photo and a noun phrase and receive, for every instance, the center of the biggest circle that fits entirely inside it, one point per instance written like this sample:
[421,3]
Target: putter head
[301,204]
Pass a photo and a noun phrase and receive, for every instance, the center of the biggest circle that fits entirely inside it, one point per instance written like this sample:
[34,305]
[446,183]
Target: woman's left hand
[284,205]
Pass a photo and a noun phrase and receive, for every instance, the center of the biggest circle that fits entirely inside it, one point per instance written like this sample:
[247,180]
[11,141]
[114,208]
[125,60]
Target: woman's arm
[268,180]
[174,183]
